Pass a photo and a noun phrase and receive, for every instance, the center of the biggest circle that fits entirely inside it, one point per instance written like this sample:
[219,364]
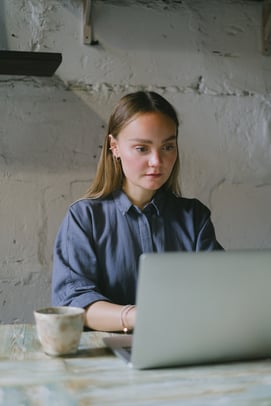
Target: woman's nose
[155,159]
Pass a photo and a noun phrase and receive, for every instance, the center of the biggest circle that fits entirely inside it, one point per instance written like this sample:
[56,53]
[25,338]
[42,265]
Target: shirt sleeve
[75,277]
[206,236]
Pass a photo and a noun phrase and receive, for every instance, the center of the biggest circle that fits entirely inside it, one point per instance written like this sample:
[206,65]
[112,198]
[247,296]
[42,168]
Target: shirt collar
[121,200]
[124,204]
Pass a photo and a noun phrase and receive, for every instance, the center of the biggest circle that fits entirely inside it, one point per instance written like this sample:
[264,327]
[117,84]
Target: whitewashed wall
[204,56]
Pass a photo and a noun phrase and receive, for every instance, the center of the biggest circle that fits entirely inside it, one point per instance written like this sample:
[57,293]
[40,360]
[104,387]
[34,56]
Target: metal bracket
[266,27]
[88,34]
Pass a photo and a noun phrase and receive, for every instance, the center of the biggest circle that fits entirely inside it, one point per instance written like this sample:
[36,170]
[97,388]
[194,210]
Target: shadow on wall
[219,27]
[3,36]
[49,148]
[45,127]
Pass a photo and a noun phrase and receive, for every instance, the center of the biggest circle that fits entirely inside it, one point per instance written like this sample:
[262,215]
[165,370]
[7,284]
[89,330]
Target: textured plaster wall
[204,56]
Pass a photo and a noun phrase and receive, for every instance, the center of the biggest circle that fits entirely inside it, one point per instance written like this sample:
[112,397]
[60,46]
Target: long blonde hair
[109,176]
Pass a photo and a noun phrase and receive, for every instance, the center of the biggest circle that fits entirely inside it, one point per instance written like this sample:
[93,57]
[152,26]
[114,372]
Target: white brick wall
[205,57]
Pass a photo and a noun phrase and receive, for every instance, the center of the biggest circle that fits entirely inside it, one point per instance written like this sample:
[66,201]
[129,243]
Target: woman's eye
[141,149]
[169,147]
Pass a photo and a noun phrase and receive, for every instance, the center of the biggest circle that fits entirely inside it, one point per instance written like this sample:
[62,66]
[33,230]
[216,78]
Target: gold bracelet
[123,315]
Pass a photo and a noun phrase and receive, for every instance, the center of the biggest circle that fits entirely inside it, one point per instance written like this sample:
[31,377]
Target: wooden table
[96,377]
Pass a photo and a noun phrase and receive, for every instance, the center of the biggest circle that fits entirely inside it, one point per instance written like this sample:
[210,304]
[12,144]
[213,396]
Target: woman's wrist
[127,318]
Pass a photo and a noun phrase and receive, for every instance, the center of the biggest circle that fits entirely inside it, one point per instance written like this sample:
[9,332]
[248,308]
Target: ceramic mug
[59,329]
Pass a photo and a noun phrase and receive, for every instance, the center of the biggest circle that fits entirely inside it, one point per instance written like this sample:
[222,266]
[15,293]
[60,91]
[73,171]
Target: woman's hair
[109,176]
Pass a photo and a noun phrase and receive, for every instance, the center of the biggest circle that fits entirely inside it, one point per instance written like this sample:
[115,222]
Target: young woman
[134,205]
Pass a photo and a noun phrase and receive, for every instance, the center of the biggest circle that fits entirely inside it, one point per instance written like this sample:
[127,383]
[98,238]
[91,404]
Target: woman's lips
[154,175]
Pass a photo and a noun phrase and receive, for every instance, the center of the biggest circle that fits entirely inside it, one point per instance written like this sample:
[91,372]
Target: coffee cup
[59,329]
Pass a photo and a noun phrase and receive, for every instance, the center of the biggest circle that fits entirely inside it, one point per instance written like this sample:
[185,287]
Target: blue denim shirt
[99,242]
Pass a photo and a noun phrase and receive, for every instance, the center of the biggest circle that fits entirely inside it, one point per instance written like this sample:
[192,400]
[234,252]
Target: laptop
[199,308]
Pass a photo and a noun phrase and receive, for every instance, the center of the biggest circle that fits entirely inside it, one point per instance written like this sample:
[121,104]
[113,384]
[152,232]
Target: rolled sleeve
[206,239]
[75,280]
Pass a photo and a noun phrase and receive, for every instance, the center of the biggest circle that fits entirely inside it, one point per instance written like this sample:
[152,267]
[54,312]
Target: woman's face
[147,148]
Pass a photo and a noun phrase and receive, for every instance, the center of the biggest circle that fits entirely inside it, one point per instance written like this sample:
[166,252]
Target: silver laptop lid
[194,308]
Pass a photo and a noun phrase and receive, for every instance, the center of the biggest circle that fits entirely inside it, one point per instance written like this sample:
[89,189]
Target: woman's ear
[113,146]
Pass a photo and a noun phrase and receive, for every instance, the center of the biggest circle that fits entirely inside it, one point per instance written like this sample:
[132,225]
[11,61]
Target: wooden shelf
[29,63]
